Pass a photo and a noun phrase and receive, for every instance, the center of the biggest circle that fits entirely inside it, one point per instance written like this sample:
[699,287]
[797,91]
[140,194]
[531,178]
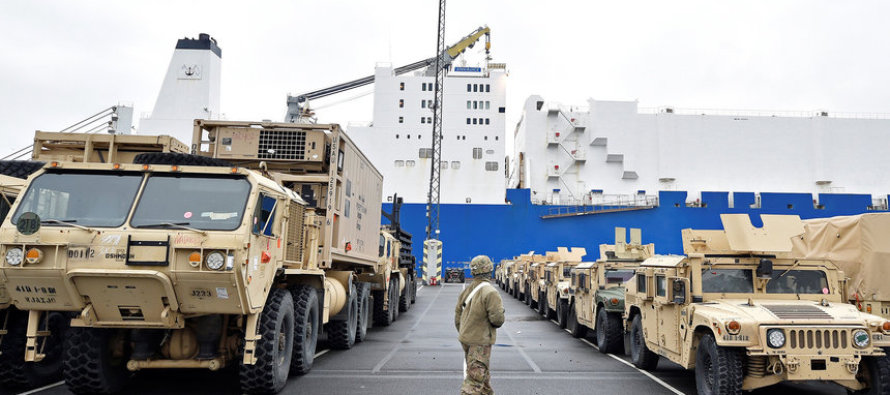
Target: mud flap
[250,338]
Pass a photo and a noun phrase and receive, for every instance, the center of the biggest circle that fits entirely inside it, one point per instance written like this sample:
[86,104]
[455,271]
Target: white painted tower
[190,89]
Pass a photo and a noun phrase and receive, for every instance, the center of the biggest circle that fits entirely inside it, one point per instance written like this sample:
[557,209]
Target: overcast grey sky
[61,61]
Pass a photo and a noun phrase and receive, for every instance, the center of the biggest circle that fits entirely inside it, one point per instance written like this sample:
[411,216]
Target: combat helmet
[481,264]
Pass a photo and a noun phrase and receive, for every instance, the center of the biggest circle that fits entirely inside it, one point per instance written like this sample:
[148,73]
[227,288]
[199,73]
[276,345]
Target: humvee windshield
[201,202]
[727,281]
[798,282]
[88,199]
[618,276]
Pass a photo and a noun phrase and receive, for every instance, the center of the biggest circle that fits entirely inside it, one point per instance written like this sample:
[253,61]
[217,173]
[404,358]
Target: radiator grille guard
[818,339]
[294,250]
[282,144]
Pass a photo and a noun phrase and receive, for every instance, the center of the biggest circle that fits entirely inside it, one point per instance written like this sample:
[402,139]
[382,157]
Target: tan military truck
[535,282]
[745,314]
[519,275]
[557,276]
[860,246]
[186,261]
[500,273]
[597,290]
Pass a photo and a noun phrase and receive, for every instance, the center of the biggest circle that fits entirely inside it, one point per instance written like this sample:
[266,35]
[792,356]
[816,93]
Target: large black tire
[405,297]
[609,332]
[307,319]
[542,304]
[175,158]
[274,349]
[341,334]
[89,364]
[640,355]
[875,372]
[364,311]
[562,318]
[14,372]
[394,297]
[19,168]
[575,328]
[413,289]
[382,317]
[718,370]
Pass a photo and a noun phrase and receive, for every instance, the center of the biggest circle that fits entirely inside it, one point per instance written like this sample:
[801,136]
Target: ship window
[489,151]
[660,286]
[401,86]
[486,138]
[502,110]
[409,163]
[487,105]
[468,121]
[397,136]
[487,121]
[464,138]
[487,87]
[425,153]
[429,120]
[455,165]
[401,119]
[422,119]
[468,87]
[423,104]
[475,88]
[401,103]
[475,105]
[458,137]
[469,106]
[444,164]
[491,166]
[418,137]
[477,153]
[400,163]
[495,138]
[429,103]
[409,136]
[475,121]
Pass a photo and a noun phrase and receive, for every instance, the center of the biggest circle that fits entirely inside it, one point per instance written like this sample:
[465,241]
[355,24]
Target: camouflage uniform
[477,320]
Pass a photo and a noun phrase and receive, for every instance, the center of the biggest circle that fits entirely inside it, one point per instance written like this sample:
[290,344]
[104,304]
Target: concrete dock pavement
[420,354]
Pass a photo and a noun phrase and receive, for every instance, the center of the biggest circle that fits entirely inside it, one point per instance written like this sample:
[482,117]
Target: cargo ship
[576,172]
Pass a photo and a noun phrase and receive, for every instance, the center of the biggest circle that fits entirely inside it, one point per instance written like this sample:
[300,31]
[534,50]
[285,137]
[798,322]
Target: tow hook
[852,366]
[792,364]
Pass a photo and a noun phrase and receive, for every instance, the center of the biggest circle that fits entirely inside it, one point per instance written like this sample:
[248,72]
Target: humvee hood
[784,311]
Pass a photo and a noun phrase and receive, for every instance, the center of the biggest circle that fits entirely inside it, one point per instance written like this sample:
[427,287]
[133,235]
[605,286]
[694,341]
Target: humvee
[557,277]
[597,290]
[745,314]
[233,256]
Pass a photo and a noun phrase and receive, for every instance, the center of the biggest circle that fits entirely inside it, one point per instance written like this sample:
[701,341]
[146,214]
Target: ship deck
[419,353]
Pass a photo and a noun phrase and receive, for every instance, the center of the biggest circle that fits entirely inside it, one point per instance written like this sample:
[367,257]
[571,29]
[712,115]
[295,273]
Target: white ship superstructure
[609,149]
[473,158]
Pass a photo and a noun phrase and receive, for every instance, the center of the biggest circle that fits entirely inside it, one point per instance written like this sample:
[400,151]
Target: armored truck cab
[557,276]
[745,315]
[186,261]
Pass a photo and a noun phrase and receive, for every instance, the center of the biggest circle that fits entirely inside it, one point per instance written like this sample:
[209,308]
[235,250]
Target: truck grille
[797,312]
[294,249]
[803,339]
[282,144]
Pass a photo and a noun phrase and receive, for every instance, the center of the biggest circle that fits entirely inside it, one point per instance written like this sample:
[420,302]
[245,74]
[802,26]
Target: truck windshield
[618,276]
[199,202]
[798,282]
[87,199]
[727,281]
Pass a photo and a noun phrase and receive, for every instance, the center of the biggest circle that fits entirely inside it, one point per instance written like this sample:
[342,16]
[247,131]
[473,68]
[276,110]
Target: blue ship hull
[504,231]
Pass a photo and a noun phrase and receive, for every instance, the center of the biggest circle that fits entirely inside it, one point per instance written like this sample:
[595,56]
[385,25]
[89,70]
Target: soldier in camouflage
[478,314]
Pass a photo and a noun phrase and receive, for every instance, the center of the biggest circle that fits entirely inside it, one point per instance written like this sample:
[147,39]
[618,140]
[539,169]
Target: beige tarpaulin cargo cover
[858,244]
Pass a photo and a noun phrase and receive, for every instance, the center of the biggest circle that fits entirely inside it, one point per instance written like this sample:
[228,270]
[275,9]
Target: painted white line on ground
[322,352]
[407,335]
[421,287]
[45,387]
[525,356]
[647,374]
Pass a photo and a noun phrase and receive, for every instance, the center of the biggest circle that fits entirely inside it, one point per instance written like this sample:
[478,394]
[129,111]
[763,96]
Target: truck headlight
[861,338]
[14,256]
[215,260]
[775,338]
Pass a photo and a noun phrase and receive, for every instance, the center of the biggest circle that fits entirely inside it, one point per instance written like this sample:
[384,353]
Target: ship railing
[762,113]
[879,204]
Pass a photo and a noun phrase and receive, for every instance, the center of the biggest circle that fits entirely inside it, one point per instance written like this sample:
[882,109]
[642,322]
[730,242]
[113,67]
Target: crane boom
[297,107]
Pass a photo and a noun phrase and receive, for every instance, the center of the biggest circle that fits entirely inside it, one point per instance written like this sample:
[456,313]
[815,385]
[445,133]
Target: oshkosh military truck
[236,255]
[745,314]
[557,275]
[597,290]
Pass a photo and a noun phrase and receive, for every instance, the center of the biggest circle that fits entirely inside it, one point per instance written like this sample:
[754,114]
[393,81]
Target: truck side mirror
[679,289]
[765,269]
